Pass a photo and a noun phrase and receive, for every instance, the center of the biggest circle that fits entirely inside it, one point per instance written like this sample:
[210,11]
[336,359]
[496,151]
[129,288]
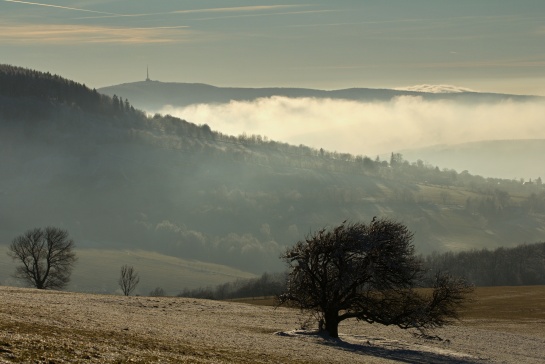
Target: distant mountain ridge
[153,95]
[504,161]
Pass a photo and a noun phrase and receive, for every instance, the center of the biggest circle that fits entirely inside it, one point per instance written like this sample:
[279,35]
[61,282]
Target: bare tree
[158,292]
[128,279]
[367,272]
[46,255]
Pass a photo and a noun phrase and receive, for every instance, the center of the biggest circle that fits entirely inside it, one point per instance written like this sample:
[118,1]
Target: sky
[494,46]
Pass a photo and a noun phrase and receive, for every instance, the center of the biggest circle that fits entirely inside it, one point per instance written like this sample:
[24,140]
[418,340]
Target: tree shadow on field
[401,354]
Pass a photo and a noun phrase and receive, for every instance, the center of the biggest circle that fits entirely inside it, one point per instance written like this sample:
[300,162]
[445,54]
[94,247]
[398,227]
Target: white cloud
[370,128]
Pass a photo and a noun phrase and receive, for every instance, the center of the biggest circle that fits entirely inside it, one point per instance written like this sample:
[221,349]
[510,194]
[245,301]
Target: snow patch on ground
[436,89]
[371,344]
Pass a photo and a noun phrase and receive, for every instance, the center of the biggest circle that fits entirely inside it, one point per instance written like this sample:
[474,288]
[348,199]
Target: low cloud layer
[370,128]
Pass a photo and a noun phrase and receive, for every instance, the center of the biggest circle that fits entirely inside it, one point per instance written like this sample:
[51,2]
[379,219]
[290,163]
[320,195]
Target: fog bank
[370,128]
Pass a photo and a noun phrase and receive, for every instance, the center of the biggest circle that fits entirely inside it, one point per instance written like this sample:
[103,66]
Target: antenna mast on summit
[147,73]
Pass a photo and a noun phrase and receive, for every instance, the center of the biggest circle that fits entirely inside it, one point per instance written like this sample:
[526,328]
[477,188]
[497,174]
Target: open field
[59,327]
[510,309]
[513,309]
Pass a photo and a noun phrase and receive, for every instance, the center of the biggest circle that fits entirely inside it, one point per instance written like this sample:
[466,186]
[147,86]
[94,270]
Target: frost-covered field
[57,327]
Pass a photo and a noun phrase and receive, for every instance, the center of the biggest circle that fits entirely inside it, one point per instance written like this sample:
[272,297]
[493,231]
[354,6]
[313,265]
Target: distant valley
[510,157]
[175,192]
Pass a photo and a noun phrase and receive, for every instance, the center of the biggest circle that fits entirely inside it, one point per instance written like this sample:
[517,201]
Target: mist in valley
[266,181]
[438,132]
[201,191]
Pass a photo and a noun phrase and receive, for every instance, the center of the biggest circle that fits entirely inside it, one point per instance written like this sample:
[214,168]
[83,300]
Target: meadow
[501,324]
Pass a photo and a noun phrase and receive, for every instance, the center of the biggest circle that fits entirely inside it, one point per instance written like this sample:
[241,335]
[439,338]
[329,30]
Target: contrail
[206,10]
[238,8]
[59,7]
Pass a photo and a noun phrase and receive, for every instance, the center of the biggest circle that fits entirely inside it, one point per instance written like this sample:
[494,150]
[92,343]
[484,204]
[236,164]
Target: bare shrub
[128,279]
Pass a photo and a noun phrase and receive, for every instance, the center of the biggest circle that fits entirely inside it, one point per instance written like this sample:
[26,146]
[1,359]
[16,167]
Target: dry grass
[513,309]
[258,301]
[59,327]
[507,303]
[486,303]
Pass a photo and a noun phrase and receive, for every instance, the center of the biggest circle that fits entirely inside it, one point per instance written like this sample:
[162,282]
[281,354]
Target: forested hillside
[116,178]
[521,265]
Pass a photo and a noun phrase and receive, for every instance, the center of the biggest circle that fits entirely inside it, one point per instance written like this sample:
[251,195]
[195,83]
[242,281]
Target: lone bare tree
[367,272]
[128,279]
[46,255]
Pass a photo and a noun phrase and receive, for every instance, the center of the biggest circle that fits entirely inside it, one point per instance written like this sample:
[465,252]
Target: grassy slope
[98,271]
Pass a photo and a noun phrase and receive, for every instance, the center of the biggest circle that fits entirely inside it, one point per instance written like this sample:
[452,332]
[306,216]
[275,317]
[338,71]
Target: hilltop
[153,95]
[117,179]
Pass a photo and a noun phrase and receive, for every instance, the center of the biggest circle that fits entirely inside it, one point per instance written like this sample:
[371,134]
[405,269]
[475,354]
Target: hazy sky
[483,45]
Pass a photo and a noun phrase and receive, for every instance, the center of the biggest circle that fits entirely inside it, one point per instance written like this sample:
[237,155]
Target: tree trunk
[332,324]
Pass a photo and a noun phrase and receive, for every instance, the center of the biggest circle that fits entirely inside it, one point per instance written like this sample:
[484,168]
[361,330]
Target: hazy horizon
[317,44]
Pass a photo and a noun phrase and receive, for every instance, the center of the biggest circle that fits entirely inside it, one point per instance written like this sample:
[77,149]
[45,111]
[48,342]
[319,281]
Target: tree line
[267,285]
[518,266]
